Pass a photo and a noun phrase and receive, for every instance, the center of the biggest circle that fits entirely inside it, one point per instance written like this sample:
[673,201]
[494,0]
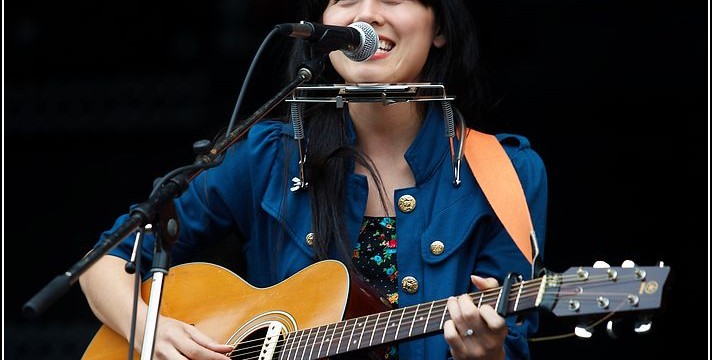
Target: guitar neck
[398,324]
[266,321]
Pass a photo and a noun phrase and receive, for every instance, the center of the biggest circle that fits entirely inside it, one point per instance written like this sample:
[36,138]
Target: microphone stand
[145,213]
[159,271]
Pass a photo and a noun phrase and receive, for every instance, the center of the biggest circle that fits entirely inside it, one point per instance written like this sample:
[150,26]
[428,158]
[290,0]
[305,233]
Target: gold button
[406,203]
[409,284]
[437,247]
[310,238]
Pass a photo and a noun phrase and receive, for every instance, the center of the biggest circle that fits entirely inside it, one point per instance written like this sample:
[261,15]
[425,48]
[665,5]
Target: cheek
[333,16]
[339,62]
[419,44]
[426,40]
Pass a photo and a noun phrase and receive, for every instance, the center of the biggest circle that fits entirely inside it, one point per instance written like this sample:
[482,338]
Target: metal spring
[449,119]
[296,117]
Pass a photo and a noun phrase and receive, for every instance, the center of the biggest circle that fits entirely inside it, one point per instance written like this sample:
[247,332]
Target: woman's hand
[474,333]
[178,340]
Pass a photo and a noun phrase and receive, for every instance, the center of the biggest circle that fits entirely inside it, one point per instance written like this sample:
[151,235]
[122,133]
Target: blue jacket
[250,192]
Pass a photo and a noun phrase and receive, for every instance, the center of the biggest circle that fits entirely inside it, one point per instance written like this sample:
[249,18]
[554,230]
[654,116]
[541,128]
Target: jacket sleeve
[218,200]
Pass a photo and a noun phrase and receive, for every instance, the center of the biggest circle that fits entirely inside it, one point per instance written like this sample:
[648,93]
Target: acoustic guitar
[321,311]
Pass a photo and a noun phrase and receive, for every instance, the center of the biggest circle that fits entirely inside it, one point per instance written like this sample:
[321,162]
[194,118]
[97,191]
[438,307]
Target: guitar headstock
[600,290]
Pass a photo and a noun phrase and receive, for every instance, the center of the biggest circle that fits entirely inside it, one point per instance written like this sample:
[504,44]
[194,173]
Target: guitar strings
[350,324]
[350,327]
[408,315]
[408,318]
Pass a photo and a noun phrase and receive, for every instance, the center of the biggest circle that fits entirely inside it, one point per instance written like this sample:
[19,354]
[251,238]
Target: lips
[385,44]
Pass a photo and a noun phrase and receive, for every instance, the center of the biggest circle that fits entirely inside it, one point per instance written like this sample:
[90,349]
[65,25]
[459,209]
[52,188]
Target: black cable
[247,79]
[171,174]
[233,118]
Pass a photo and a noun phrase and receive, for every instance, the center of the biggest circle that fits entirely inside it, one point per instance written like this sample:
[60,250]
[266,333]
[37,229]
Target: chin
[367,76]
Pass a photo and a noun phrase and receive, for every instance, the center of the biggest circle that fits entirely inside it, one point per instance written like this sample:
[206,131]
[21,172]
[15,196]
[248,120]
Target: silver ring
[469,332]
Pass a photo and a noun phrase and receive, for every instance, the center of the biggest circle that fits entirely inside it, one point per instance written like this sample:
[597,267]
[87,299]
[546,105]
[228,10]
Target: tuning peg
[600,265]
[642,326]
[620,326]
[609,329]
[583,332]
[615,328]
[661,264]
[628,264]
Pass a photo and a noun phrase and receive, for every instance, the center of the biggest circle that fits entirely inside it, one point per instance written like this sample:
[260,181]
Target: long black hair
[330,156]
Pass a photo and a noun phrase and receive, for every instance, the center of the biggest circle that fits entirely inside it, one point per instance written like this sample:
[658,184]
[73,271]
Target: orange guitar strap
[499,181]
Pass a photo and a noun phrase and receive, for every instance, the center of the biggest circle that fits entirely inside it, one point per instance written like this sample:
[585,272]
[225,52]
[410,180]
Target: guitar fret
[399,324]
[479,303]
[373,332]
[299,343]
[519,295]
[315,342]
[291,345]
[323,338]
[297,338]
[304,346]
[422,316]
[352,334]
[301,348]
[496,303]
[442,319]
[410,314]
[526,302]
[427,318]
[338,348]
[284,346]
[306,343]
[385,328]
[331,339]
[415,316]
[365,324]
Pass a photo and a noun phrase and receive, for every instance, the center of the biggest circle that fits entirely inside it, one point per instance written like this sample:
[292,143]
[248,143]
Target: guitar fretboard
[398,324]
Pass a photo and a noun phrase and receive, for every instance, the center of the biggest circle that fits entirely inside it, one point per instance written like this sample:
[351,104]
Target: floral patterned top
[375,257]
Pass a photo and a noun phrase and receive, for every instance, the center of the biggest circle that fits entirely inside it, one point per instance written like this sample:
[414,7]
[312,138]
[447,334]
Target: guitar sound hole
[256,346]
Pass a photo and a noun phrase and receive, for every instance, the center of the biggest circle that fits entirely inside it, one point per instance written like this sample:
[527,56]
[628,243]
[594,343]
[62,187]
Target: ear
[439,40]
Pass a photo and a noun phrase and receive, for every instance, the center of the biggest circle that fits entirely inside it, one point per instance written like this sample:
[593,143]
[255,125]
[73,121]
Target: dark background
[101,97]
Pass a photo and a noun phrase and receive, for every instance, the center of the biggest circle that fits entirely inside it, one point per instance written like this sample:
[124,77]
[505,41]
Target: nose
[369,11]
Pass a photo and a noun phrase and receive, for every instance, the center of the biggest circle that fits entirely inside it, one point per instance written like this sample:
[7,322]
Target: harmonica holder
[386,94]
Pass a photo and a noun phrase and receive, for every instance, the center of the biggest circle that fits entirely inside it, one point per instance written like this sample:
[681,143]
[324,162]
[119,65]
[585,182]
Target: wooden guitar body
[322,311]
[230,310]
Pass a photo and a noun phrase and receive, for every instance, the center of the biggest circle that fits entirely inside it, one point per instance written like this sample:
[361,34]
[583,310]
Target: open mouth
[385,45]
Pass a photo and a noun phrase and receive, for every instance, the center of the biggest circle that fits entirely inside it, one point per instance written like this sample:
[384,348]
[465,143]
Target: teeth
[385,45]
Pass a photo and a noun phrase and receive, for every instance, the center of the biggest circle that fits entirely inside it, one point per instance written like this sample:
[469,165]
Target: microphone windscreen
[369,42]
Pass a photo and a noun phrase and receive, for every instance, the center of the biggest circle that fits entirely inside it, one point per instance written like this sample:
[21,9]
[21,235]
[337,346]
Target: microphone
[358,41]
